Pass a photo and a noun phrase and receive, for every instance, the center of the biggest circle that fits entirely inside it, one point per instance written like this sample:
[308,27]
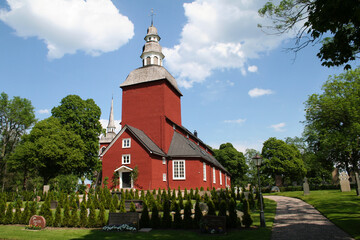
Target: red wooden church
[152,139]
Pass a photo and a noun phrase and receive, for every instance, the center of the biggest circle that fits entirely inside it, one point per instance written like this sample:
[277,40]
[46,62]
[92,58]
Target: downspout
[167,170]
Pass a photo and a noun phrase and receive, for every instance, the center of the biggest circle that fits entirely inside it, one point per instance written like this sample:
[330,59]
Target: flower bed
[119,228]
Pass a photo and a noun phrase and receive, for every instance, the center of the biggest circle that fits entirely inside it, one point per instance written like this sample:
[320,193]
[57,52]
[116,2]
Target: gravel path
[296,219]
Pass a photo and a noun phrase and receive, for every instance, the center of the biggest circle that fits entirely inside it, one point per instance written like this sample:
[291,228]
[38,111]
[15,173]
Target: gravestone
[275,189]
[46,188]
[306,187]
[213,224]
[53,204]
[344,182]
[138,204]
[357,183]
[36,220]
[203,207]
[130,218]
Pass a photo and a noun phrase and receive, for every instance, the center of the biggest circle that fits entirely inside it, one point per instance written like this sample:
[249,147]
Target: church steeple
[111,125]
[152,51]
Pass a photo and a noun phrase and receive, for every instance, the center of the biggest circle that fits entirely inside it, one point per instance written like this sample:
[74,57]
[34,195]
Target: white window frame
[214,175]
[164,177]
[175,164]
[220,177]
[126,143]
[163,161]
[226,180]
[204,171]
[124,160]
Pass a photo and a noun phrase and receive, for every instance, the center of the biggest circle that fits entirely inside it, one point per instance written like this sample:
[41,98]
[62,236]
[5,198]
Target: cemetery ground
[19,232]
[341,208]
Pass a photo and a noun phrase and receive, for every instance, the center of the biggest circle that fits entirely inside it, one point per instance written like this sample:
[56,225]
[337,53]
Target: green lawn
[342,208]
[19,232]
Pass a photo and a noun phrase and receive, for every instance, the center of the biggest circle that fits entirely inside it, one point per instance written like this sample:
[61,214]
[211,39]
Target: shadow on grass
[180,234]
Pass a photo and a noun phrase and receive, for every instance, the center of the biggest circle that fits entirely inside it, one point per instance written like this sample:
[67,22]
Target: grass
[19,232]
[341,208]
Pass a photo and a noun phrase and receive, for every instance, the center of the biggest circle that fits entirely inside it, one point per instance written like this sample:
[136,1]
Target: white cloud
[253,68]
[44,111]
[278,127]
[67,26]
[241,146]
[237,121]
[104,123]
[257,92]
[218,35]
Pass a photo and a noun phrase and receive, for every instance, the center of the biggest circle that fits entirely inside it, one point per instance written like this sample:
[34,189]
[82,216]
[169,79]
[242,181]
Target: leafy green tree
[251,174]
[233,161]
[333,23]
[52,149]
[16,117]
[318,170]
[282,159]
[332,125]
[82,117]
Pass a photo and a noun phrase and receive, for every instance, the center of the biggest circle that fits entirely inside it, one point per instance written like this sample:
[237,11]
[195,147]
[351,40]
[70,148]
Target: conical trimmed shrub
[145,219]
[83,215]
[9,214]
[155,219]
[233,219]
[166,219]
[17,215]
[177,224]
[222,208]
[198,214]
[57,219]
[66,218]
[246,218]
[211,207]
[188,221]
[92,217]
[101,217]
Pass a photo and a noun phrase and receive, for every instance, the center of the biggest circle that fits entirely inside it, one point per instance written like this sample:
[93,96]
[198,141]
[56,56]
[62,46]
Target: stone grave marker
[344,182]
[130,218]
[306,187]
[53,204]
[36,220]
[138,204]
[213,224]
[203,207]
[46,188]
[275,189]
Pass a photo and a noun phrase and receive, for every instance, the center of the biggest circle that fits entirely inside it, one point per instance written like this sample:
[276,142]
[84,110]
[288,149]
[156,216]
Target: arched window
[156,60]
[148,61]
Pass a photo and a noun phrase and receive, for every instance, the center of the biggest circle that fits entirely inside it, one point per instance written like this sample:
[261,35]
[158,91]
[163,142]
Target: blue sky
[239,84]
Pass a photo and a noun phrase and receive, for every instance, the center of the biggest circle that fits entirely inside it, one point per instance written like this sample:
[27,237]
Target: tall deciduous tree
[50,149]
[338,20]
[333,120]
[82,117]
[232,160]
[16,116]
[282,159]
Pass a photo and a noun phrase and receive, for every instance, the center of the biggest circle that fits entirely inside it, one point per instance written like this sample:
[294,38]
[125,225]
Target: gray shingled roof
[147,142]
[182,147]
[150,73]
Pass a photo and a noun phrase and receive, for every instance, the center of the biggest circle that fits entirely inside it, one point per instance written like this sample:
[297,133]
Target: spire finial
[152,16]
